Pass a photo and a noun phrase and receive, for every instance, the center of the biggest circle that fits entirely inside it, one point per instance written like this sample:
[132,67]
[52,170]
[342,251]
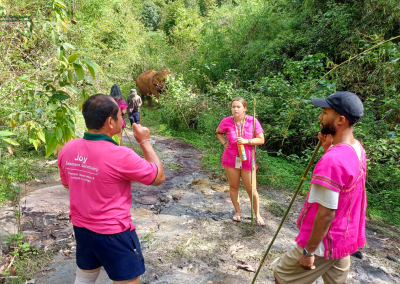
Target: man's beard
[328,129]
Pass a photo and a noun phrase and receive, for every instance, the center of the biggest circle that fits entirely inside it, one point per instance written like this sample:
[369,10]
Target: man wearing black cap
[134,103]
[332,220]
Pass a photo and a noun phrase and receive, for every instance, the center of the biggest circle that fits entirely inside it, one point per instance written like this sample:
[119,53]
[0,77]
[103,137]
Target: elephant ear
[155,79]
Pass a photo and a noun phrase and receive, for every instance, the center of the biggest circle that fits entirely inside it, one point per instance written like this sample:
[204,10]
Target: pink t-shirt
[227,126]
[122,105]
[99,174]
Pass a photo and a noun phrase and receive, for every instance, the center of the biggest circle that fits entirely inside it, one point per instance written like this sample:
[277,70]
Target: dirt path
[186,229]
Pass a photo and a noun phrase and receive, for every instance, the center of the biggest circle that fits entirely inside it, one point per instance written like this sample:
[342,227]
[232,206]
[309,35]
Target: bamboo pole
[253,161]
[287,211]
[128,137]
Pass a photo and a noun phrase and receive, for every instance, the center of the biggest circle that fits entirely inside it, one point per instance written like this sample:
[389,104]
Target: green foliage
[150,15]
[179,106]
[274,51]
[5,140]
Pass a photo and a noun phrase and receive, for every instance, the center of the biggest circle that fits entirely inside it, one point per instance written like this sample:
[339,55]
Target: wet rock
[147,199]
[62,234]
[392,258]
[372,274]
[358,255]
[165,198]
[176,197]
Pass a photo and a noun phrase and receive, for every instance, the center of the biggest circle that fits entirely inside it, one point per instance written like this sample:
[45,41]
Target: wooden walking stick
[253,161]
[287,211]
[140,113]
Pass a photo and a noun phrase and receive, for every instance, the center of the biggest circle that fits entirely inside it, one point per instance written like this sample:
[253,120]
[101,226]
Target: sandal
[260,221]
[236,218]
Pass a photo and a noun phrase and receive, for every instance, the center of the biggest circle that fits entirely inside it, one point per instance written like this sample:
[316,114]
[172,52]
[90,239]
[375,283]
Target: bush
[179,106]
[150,15]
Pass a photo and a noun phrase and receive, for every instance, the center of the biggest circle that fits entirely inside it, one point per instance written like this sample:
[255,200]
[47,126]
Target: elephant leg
[150,101]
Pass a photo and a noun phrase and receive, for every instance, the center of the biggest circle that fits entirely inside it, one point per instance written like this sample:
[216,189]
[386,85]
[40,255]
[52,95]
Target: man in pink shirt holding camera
[98,173]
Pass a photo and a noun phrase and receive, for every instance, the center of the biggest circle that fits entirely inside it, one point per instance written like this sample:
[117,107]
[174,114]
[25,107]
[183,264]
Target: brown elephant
[151,83]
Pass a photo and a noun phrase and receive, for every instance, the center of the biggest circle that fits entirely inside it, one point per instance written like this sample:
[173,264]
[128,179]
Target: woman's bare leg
[234,180]
[246,178]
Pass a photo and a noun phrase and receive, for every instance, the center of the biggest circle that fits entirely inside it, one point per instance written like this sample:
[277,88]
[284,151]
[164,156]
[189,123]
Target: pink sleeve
[135,168]
[123,106]
[329,172]
[223,125]
[259,128]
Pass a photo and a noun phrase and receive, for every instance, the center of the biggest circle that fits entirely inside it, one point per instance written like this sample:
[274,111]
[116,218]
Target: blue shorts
[119,254]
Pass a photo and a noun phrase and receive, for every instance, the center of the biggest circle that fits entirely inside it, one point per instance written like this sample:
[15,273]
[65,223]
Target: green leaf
[59,97]
[6,133]
[60,4]
[60,52]
[51,142]
[34,142]
[21,118]
[79,71]
[59,133]
[73,88]
[88,62]
[53,106]
[70,77]
[67,46]
[39,111]
[40,135]
[10,141]
[72,58]
[67,134]
[91,70]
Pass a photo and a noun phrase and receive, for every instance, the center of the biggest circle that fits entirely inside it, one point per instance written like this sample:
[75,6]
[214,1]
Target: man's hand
[326,140]
[307,263]
[141,133]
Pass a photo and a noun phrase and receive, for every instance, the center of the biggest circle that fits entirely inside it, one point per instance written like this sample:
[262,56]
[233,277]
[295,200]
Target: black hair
[351,123]
[116,92]
[97,109]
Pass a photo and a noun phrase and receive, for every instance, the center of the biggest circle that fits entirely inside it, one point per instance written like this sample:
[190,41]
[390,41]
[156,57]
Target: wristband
[144,141]
[306,253]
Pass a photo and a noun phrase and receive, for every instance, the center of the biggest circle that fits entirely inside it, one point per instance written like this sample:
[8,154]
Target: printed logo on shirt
[81,159]
[80,171]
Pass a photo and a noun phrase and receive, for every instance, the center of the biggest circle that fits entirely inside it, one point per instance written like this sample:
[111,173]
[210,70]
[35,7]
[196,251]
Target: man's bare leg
[86,276]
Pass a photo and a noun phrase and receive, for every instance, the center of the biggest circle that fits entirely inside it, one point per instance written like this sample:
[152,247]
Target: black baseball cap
[347,104]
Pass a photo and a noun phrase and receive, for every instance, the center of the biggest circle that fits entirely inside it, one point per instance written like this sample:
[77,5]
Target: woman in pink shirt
[238,130]
[117,96]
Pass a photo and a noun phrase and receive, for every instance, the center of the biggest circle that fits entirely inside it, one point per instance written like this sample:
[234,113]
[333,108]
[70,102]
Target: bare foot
[236,217]
[260,221]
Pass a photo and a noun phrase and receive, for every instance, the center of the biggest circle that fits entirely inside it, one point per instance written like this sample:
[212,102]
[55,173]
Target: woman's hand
[241,141]
[226,144]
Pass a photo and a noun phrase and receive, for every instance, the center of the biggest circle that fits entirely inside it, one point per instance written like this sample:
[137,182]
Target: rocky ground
[186,229]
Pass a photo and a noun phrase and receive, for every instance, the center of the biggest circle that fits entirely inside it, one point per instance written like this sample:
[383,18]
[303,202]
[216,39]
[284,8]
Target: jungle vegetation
[274,51]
